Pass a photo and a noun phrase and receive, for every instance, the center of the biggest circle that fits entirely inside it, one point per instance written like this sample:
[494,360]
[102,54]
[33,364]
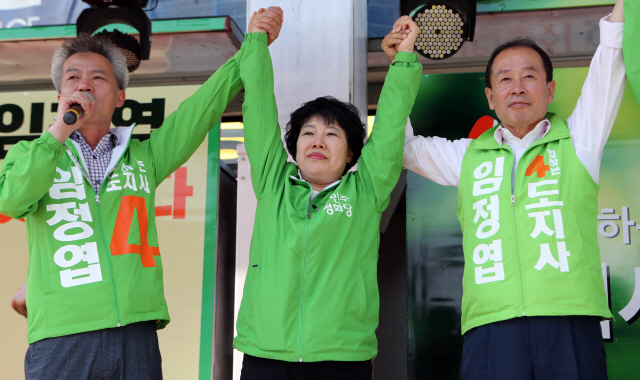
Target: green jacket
[533,250]
[311,291]
[94,260]
[630,43]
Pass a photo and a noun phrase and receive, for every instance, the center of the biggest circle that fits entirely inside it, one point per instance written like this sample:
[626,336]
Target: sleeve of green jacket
[27,173]
[380,163]
[260,114]
[184,130]
[631,44]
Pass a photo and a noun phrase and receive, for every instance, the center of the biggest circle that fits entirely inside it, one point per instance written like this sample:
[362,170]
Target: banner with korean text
[181,207]
[434,238]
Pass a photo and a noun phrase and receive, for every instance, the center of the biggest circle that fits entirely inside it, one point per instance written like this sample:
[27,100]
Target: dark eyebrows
[75,69]
[528,68]
[335,127]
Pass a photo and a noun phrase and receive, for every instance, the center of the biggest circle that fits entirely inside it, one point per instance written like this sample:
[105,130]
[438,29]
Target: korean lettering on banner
[610,229]
[71,217]
[18,117]
[544,210]
[487,256]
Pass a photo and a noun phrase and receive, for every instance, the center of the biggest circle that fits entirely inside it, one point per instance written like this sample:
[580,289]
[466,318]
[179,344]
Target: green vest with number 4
[533,250]
[94,259]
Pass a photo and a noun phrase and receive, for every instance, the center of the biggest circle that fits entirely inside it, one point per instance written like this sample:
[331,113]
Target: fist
[401,38]
[406,24]
[267,21]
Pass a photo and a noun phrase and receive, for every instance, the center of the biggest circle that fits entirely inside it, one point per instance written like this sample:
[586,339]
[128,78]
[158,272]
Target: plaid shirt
[97,160]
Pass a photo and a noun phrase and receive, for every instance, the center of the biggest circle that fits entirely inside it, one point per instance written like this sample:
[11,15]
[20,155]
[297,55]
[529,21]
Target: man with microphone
[86,190]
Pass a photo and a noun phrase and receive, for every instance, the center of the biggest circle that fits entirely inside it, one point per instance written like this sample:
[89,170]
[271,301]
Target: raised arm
[185,129]
[592,120]
[259,111]
[381,159]
[435,158]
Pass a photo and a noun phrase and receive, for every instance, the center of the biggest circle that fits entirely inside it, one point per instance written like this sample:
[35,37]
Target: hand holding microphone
[71,109]
[75,111]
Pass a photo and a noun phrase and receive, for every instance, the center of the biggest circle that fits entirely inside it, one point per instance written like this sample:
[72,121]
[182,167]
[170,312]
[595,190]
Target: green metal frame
[485,6]
[209,263]
[214,24]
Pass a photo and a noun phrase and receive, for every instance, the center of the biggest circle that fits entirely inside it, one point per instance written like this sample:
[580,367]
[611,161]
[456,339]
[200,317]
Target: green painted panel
[529,5]
[157,26]
[38,32]
[188,25]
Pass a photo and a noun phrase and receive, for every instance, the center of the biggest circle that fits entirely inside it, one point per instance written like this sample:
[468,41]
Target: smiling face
[322,152]
[93,73]
[519,91]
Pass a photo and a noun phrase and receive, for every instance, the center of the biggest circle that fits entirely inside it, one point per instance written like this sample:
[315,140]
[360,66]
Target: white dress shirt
[590,124]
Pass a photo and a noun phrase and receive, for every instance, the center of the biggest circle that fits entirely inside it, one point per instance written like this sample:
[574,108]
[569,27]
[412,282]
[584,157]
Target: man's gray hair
[90,44]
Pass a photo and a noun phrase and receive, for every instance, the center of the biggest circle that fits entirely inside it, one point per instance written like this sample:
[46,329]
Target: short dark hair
[519,42]
[331,110]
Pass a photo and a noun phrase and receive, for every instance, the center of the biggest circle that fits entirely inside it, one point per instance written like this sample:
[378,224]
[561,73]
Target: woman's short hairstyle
[519,42]
[90,44]
[332,111]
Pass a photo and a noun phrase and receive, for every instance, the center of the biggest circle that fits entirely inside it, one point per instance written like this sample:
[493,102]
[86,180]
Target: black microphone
[74,112]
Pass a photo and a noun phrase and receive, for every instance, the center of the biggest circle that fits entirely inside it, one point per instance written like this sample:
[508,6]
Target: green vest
[532,251]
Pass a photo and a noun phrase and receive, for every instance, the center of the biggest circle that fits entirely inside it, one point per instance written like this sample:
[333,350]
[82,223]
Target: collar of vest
[557,131]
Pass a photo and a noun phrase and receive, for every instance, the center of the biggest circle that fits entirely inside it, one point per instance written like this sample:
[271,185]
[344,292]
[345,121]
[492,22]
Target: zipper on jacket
[513,215]
[302,287]
[515,242]
[515,239]
[107,251]
[105,246]
[304,264]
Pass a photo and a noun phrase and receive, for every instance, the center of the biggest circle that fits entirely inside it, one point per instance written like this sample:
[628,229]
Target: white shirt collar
[502,135]
[303,180]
